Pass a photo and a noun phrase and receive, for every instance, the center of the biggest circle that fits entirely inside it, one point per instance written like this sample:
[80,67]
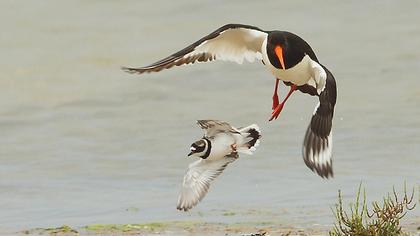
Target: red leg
[275,96]
[279,107]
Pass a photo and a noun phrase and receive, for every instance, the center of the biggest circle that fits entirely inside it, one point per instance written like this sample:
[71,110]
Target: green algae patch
[228,213]
[152,226]
[62,230]
[173,228]
[125,227]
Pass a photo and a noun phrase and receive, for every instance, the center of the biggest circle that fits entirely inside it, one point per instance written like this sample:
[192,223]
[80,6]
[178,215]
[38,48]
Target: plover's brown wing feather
[232,42]
[212,127]
[197,180]
[317,144]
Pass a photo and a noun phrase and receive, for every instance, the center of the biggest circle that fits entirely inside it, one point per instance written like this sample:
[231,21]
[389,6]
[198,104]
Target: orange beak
[279,52]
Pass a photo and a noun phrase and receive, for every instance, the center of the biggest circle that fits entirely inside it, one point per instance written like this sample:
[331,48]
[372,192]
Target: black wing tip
[201,123]
[205,123]
[238,25]
[133,70]
[324,171]
[313,141]
[184,209]
[326,175]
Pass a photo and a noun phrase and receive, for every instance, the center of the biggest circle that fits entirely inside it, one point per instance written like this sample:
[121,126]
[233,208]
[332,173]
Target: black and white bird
[218,148]
[290,59]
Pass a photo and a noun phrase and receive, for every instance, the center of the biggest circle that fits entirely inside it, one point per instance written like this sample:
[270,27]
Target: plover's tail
[251,139]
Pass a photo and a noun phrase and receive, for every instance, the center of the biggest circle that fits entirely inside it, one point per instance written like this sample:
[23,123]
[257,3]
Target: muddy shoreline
[189,228]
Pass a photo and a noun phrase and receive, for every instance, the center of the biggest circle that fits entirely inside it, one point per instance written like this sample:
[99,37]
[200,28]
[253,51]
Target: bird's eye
[192,148]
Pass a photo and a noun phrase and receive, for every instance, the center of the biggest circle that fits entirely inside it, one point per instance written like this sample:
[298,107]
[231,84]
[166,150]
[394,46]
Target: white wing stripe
[234,45]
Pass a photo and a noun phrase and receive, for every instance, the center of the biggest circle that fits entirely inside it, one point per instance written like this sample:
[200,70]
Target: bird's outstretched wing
[317,144]
[197,180]
[213,127]
[232,42]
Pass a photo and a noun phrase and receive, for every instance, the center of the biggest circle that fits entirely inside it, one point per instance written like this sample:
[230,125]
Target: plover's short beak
[192,149]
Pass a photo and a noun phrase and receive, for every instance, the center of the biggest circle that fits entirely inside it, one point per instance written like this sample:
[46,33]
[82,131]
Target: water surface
[83,142]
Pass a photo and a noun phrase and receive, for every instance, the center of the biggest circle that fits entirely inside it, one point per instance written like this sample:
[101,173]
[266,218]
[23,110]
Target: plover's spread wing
[197,180]
[317,145]
[213,127]
[232,42]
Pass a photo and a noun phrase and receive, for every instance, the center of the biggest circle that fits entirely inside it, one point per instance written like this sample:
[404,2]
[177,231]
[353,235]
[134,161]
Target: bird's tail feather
[251,139]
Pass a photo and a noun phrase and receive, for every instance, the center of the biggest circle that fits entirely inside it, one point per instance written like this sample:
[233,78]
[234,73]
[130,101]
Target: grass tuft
[383,219]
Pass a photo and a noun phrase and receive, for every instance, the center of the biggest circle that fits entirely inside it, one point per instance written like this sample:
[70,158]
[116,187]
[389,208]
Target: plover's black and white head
[200,148]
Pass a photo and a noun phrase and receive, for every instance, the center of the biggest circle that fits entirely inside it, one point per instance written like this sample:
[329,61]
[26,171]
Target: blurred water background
[82,142]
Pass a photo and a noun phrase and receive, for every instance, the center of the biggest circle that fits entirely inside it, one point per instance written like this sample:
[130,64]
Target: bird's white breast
[221,146]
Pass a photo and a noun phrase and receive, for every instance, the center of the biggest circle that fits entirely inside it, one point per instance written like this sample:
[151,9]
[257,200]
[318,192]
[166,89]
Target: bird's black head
[285,49]
[200,148]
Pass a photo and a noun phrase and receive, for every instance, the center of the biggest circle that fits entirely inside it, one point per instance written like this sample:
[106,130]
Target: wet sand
[197,228]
